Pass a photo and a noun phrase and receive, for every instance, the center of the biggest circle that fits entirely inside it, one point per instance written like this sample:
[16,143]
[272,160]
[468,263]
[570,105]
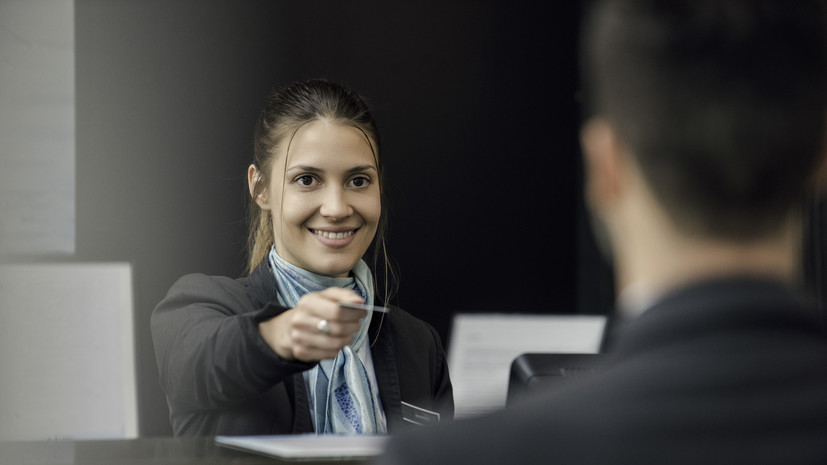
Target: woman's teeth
[333,235]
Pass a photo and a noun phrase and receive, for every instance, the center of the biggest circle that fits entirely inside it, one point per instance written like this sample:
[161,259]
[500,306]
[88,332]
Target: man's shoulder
[540,431]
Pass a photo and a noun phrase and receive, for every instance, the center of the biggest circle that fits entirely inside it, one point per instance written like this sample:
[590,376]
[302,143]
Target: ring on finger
[323,326]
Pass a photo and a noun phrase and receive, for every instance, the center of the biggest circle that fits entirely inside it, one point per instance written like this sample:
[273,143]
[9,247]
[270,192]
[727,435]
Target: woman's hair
[285,110]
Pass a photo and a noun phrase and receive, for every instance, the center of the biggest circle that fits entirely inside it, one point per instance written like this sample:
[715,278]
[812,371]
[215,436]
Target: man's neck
[664,263]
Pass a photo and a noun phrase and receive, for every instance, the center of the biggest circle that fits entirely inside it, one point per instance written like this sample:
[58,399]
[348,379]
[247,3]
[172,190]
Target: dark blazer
[221,378]
[726,371]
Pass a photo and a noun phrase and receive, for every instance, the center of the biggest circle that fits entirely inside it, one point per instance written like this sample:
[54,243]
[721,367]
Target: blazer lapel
[387,376]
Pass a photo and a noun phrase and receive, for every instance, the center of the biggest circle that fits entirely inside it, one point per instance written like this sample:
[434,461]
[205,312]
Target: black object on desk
[532,372]
[144,451]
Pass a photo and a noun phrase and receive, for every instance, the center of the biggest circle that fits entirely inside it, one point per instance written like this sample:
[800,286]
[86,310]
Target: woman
[274,352]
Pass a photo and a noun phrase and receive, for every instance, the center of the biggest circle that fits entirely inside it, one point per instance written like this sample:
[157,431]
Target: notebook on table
[308,446]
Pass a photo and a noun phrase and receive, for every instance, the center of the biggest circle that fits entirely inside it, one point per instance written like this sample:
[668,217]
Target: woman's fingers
[313,347]
[332,326]
[317,328]
[324,305]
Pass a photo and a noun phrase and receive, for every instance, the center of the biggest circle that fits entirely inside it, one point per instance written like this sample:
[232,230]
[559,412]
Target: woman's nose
[335,204]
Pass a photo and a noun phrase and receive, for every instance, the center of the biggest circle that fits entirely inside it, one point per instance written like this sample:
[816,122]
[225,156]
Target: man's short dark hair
[722,102]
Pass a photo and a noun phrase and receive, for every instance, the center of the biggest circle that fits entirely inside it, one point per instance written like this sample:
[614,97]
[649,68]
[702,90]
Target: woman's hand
[295,334]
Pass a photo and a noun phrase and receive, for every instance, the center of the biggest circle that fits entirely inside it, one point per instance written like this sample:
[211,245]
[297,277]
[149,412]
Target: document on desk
[482,347]
[308,446]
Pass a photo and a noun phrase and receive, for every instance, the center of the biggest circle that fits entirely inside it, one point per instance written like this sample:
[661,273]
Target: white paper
[482,347]
[67,367]
[308,446]
[37,127]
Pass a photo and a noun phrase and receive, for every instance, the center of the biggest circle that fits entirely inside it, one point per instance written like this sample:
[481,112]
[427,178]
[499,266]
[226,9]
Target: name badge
[418,415]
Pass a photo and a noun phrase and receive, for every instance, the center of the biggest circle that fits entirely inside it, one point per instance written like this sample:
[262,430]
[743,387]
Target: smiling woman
[324,199]
[276,352]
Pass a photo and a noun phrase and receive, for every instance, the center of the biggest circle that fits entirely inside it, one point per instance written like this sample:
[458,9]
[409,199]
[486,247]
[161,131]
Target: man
[707,128]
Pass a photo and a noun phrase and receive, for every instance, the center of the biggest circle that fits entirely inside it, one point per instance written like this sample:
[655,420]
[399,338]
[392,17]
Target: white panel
[67,366]
[37,127]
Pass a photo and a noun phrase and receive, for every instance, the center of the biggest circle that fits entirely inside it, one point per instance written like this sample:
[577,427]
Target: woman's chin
[334,270]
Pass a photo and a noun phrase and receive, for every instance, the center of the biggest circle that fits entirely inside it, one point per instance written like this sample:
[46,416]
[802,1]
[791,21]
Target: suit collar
[721,304]
[261,283]
[384,366]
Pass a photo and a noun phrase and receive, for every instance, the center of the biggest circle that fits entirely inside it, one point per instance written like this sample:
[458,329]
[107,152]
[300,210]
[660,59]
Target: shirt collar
[635,299]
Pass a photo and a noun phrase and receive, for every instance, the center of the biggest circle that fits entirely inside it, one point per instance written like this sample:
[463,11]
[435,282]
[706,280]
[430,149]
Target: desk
[144,451]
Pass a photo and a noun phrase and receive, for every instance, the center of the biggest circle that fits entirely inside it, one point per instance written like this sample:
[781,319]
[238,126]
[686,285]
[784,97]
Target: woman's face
[325,200]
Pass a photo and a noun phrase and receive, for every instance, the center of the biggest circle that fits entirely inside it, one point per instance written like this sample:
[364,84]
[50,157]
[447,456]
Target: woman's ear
[257,193]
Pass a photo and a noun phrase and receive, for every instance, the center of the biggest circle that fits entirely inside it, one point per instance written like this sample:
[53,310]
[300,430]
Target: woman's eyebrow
[305,169]
[357,169]
[313,169]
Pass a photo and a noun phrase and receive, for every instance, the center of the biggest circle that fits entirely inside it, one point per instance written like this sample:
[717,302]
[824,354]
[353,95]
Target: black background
[476,104]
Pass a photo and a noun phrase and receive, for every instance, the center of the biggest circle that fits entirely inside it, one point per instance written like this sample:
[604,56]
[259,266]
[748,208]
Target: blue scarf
[342,397]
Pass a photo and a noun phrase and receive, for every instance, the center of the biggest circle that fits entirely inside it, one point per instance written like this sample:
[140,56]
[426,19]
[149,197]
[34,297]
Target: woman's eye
[305,180]
[360,181]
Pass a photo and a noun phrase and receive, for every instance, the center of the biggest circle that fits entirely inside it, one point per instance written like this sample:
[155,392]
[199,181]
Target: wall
[475,101]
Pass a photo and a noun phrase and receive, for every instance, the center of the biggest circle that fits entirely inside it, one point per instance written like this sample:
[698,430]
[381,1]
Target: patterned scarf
[343,400]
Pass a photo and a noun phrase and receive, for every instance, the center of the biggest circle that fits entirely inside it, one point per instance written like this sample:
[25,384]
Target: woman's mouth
[333,234]
[335,239]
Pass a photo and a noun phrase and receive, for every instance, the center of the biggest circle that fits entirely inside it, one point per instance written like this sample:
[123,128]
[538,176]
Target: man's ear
[258,195]
[604,157]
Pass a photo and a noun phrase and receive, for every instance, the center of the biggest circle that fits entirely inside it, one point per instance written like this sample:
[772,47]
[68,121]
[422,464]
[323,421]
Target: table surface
[143,451]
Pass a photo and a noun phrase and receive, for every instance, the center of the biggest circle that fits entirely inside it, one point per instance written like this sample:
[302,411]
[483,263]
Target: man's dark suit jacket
[729,371]
[221,378]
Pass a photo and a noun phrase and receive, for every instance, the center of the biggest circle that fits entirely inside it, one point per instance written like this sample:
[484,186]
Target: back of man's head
[721,102]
